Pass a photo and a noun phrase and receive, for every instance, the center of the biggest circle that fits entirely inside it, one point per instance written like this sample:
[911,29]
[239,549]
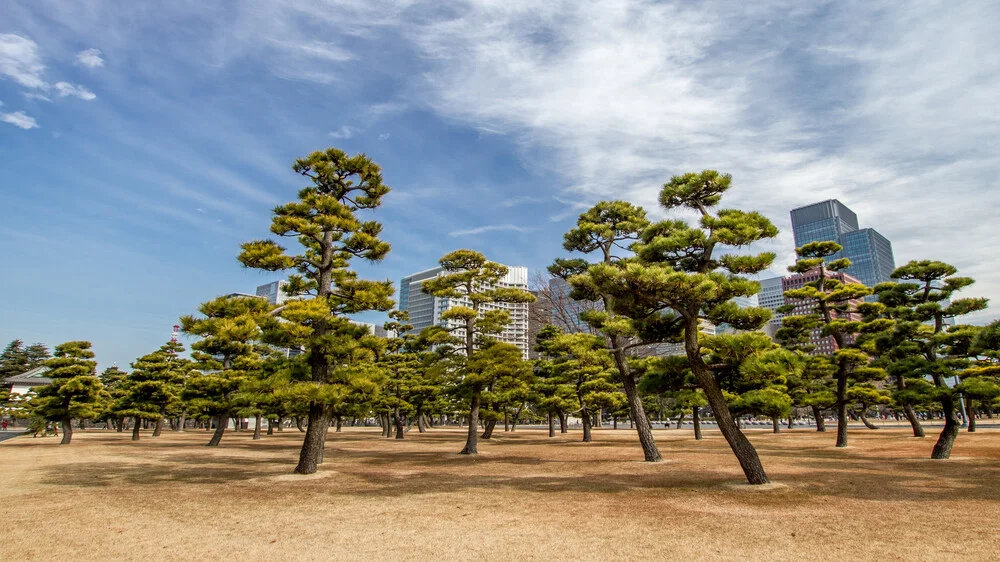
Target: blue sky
[141,142]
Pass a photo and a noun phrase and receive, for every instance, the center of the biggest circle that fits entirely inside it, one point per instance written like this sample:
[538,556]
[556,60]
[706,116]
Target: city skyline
[138,156]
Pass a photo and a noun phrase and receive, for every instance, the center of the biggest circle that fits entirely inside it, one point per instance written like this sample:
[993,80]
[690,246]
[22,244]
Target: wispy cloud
[66,89]
[91,58]
[19,61]
[344,132]
[383,136]
[514,201]
[490,228]
[19,119]
[36,96]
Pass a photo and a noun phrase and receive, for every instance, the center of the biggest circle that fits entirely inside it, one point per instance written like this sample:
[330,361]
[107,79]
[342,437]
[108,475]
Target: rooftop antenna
[173,335]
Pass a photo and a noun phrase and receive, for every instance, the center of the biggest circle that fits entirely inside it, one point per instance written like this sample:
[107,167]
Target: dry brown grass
[524,497]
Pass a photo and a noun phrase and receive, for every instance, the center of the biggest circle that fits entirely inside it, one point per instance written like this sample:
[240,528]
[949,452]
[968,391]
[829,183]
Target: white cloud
[36,96]
[520,200]
[91,58]
[66,89]
[20,62]
[19,119]
[490,228]
[344,132]
[383,136]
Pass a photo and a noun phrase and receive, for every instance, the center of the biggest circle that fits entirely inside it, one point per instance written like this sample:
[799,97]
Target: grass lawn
[524,497]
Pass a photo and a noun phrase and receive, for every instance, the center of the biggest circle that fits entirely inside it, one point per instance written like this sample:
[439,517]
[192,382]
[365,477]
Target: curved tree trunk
[642,427]
[696,419]
[67,427]
[488,431]
[791,420]
[911,416]
[135,429]
[298,424]
[158,427]
[221,421]
[864,420]
[820,421]
[680,420]
[585,416]
[471,439]
[311,454]
[745,452]
[775,425]
[942,449]
[970,413]
[421,421]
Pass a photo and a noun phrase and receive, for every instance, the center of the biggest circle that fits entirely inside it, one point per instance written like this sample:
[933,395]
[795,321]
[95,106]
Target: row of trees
[648,284]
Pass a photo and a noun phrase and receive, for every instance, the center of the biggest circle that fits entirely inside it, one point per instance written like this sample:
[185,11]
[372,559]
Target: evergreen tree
[37,353]
[225,356]
[153,387]
[677,280]
[115,382]
[75,390]
[473,280]
[550,395]
[14,359]
[325,221]
[981,382]
[919,341]
[606,229]
[835,310]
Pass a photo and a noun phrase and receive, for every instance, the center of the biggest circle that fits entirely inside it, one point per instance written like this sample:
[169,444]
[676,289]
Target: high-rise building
[425,310]
[870,252]
[273,292]
[566,311]
[771,296]
[825,345]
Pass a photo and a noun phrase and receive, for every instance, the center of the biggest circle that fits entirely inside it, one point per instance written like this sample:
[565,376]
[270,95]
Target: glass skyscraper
[870,252]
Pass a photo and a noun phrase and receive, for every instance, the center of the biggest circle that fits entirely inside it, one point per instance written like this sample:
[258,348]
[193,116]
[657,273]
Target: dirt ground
[524,497]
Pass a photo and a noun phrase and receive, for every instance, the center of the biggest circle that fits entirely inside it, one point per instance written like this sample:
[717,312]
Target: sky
[142,142]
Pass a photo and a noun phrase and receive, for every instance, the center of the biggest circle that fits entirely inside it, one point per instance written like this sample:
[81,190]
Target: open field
[525,497]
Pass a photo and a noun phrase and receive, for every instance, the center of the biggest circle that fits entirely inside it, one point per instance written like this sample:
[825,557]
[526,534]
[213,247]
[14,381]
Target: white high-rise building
[274,292]
[771,296]
[425,310]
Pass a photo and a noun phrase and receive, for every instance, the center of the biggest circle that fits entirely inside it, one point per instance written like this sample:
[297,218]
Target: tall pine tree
[75,390]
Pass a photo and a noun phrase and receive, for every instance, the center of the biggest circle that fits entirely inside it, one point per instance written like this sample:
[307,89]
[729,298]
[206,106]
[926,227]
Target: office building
[771,296]
[825,345]
[425,310]
[870,253]
[273,292]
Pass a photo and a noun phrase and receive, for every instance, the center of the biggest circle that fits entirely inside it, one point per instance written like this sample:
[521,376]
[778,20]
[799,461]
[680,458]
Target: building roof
[34,377]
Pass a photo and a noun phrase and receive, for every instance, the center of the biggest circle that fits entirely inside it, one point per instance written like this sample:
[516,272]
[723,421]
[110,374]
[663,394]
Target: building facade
[273,292]
[772,295]
[870,253]
[825,345]
[425,310]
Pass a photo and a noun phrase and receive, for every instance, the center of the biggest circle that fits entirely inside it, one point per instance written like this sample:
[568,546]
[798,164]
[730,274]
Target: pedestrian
[4,425]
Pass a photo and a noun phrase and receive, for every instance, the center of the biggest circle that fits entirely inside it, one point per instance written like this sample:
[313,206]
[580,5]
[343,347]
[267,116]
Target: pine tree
[115,382]
[920,305]
[606,229]
[677,280]
[472,279]
[37,353]
[153,387]
[325,221]
[981,382]
[835,308]
[226,354]
[14,359]
[75,390]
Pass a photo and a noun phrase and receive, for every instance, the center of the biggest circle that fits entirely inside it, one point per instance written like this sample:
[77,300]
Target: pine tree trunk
[696,419]
[552,425]
[135,429]
[67,427]
[842,418]
[642,427]
[791,421]
[158,427]
[281,423]
[563,423]
[970,414]
[585,416]
[911,416]
[471,440]
[311,454]
[340,422]
[942,449]
[120,425]
[506,420]
[680,420]
[820,421]
[256,426]
[775,425]
[398,420]
[298,424]
[221,421]
[488,430]
[741,446]
[270,426]
[181,421]
[864,420]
